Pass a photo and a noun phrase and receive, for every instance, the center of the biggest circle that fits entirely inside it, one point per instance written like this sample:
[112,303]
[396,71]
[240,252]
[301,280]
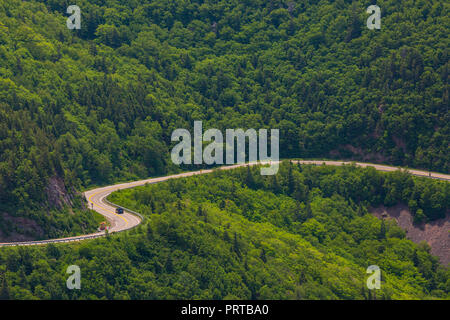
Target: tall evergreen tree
[382,234]
[4,289]
[249,179]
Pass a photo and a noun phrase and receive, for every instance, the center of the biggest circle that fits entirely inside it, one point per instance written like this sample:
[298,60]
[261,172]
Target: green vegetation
[238,235]
[48,223]
[52,224]
[97,105]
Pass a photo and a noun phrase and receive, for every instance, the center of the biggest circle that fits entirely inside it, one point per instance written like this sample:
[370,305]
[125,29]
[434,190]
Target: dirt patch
[435,233]
[18,229]
[354,153]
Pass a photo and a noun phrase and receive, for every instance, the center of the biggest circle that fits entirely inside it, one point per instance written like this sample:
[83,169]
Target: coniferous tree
[169,264]
[276,188]
[263,255]
[236,245]
[382,234]
[249,180]
[4,289]
[291,182]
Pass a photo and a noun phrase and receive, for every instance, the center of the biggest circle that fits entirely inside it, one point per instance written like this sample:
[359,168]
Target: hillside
[98,105]
[237,235]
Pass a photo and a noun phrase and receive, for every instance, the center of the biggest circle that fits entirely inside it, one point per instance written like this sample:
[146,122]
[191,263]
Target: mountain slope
[97,105]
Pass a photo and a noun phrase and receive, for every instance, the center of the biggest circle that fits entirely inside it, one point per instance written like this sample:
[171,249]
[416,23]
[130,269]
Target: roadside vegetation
[302,234]
[98,105]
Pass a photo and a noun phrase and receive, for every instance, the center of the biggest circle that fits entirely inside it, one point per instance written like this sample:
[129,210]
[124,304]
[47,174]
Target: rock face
[57,194]
[350,152]
[435,233]
[18,229]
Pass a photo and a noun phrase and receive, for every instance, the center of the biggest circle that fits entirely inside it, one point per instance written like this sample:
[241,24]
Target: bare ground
[435,233]
[358,154]
[20,229]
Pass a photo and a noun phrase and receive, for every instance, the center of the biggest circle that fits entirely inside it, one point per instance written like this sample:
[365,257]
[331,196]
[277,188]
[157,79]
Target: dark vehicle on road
[119,210]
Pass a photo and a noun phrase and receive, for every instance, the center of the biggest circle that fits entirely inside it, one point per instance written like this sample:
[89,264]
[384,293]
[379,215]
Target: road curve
[96,198]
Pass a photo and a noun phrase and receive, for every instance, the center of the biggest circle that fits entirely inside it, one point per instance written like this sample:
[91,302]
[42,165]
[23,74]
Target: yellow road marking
[126,221]
[188,174]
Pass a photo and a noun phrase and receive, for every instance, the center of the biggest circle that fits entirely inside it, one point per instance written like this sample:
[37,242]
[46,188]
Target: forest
[98,105]
[302,234]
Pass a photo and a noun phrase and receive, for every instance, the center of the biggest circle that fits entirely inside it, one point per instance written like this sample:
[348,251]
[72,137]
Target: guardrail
[126,209]
[76,238]
[99,235]
[42,242]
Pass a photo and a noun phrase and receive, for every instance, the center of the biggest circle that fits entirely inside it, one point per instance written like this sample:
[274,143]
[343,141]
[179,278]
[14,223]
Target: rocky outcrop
[18,228]
[435,233]
[57,194]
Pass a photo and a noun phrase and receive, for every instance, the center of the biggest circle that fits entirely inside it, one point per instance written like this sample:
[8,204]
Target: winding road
[96,198]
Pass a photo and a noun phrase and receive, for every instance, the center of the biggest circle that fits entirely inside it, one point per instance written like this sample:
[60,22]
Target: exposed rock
[19,229]
[399,143]
[357,154]
[57,194]
[435,233]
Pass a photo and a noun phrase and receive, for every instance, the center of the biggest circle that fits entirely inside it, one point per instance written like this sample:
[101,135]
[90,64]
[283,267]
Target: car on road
[119,210]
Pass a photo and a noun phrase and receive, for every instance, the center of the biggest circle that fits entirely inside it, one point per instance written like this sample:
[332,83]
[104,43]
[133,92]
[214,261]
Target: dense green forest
[97,105]
[238,235]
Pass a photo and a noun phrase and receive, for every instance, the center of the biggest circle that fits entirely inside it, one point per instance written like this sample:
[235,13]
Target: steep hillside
[237,235]
[99,104]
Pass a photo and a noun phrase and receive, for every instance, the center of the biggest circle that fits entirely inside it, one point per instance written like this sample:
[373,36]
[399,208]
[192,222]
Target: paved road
[128,220]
